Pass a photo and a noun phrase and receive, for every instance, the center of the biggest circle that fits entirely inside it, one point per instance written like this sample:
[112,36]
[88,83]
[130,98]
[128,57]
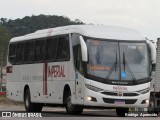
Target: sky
[141,15]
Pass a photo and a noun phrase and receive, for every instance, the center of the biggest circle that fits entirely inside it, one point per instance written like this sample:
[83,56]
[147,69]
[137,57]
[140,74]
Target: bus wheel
[122,111]
[70,108]
[151,107]
[29,106]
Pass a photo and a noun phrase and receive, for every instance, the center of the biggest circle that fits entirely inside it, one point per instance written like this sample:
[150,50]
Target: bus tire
[151,107]
[122,111]
[70,108]
[29,106]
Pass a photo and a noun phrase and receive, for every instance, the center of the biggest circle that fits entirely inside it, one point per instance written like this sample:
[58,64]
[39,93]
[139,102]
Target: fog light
[145,101]
[89,98]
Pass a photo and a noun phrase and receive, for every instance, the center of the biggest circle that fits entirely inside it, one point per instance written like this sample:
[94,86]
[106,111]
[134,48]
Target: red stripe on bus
[45,78]
[9,69]
[45,86]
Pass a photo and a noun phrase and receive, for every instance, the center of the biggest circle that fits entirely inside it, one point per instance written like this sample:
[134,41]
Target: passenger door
[78,68]
[79,88]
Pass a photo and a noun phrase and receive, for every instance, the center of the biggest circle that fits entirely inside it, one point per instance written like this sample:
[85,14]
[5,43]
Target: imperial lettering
[119,88]
[56,71]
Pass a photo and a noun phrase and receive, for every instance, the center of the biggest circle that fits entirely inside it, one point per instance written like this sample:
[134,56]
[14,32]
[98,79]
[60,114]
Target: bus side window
[12,53]
[77,53]
[51,48]
[39,50]
[42,50]
[63,53]
[19,53]
[29,51]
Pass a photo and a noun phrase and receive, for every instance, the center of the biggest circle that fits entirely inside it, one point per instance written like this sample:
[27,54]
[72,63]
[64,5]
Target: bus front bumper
[97,99]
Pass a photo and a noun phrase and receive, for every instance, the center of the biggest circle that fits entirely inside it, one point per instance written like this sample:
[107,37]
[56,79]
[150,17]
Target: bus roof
[96,31]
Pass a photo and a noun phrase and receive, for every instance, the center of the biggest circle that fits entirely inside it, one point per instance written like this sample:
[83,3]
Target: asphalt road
[52,113]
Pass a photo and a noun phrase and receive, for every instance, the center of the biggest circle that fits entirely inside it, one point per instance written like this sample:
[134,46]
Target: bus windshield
[117,60]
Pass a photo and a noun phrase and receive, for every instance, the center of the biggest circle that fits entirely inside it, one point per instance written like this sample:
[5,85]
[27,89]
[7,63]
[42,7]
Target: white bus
[80,66]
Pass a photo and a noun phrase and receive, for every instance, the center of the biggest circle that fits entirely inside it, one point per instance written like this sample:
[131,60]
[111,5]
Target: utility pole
[1,73]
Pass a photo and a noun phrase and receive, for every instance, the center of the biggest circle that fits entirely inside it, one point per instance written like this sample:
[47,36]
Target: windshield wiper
[125,65]
[113,67]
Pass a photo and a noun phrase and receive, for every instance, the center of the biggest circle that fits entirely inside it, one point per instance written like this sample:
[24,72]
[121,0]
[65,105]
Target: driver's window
[77,53]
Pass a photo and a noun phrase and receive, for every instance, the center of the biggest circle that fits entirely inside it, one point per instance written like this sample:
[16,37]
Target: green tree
[30,24]
[4,39]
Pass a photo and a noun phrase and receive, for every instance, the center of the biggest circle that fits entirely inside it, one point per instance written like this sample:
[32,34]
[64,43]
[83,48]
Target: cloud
[142,15]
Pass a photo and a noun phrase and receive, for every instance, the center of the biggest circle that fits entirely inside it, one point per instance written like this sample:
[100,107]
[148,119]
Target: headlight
[143,91]
[96,89]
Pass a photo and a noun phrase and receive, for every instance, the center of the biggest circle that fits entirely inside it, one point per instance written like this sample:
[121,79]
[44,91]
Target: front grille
[112,101]
[130,94]
[117,94]
[109,93]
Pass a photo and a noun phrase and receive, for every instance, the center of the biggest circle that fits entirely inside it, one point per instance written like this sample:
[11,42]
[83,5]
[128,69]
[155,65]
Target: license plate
[119,102]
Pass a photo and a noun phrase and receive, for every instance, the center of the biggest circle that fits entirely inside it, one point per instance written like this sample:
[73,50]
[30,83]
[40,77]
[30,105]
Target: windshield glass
[136,61]
[117,60]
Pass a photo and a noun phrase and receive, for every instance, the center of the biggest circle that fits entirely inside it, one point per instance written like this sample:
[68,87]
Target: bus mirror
[83,49]
[153,51]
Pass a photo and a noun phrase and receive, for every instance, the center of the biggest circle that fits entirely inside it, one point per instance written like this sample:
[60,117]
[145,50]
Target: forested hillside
[12,28]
